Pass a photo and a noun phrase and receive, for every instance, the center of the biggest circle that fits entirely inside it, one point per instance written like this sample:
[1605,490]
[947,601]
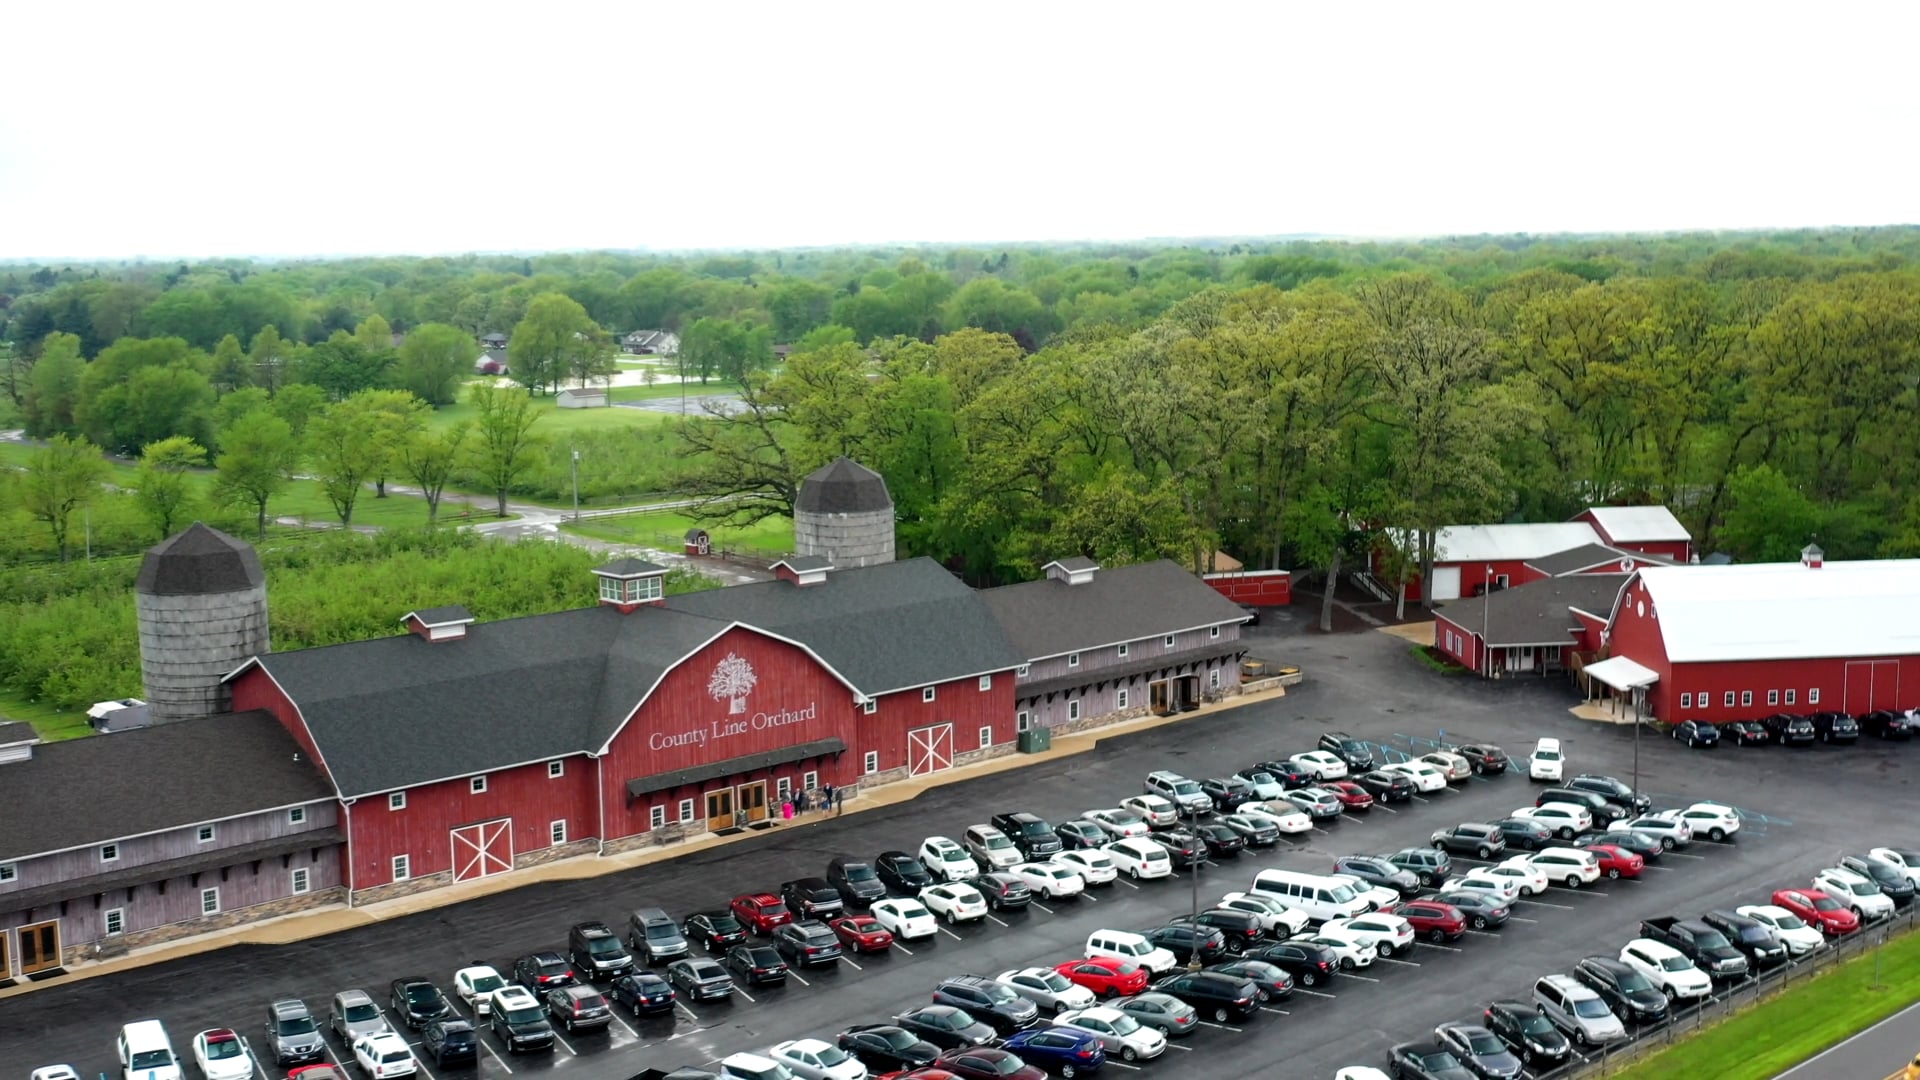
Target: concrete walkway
[313,924]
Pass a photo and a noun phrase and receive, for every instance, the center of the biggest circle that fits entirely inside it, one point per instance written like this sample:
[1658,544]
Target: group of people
[824,798]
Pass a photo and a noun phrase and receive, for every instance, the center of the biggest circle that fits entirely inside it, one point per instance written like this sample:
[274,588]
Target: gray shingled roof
[1075,563]
[843,486]
[1122,603]
[88,791]
[884,628]
[17,731]
[629,567]
[800,564]
[1535,613]
[1587,556]
[197,562]
[398,711]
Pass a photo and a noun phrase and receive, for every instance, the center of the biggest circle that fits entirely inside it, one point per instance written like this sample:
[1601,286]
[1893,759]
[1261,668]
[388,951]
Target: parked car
[946,1026]
[956,903]
[652,936]
[1277,920]
[761,913]
[946,860]
[1630,995]
[1425,1061]
[990,847]
[221,1055]
[1856,891]
[644,993]
[1605,808]
[1746,733]
[1289,773]
[756,965]
[354,1015]
[1575,1009]
[1106,976]
[1892,880]
[856,881]
[1119,822]
[1480,1050]
[1318,803]
[1058,1051]
[1386,787]
[1454,767]
[1356,753]
[1646,844]
[1281,814]
[907,920]
[1525,835]
[1092,867]
[1518,869]
[596,952]
[989,1001]
[1375,870]
[1031,834]
[1793,931]
[1227,792]
[1157,811]
[293,1037]
[714,930]
[1140,858]
[1567,820]
[1712,820]
[1003,891]
[1321,764]
[1670,973]
[1528,1031]
[519,1021]
[901,872]
[1546,762]
[806,944]
[1388,933]
[1426,779]
[475,986]
[1263,784]
[577,1007]
[1613,790]
[1270,981]
[1832,917]
[1886,724]
[1835,727]
[815,1059]
[700,980]
[1470,838]
[1907,859]
[1309,962]
[753,1067]
[1616,861]
[417,1002]
[1697,733]
[1788,729]
[1184,941]
[1434,921]
[1120,1035]
[988,1063]
[1226,998]
[887,1047]
[1763,947]
[1431,866]
[1184,793]
[1082,835]
[1047,988]
[1483,911]
[1164,1013]
[1353,797]
[382,1054]
[450,1041]
[861,933]
[812,898]
[1254,832]
[1485,758]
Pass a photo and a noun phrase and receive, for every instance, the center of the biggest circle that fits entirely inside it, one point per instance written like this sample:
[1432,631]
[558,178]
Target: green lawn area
[555,420]
[775,534]
[52,724]
[1797,1024]
[672,390]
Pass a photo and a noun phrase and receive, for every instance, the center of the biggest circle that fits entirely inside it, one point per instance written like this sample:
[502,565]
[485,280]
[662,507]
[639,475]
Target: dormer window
[638,590]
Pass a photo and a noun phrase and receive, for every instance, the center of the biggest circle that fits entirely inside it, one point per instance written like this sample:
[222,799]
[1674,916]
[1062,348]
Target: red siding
[1591,633]
[1263,588]
[961,703]
[1854,686]
[1474,574]
[421,831]
[1465,651]
[1635,633]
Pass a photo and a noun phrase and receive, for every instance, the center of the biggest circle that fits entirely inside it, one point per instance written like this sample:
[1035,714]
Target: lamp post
[1486,605]
[576,485]
[1193,873]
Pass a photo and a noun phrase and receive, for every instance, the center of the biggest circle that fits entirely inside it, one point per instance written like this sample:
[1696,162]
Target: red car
[1106,976]
[316,1072]
[1818,909]
[862,933]
[1351,795]
[761,912]
[989,1063]
[925,1072]
[1616,861]
[1433,920]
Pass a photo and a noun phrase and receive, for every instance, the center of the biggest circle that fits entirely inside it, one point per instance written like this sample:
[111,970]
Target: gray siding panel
[172,844]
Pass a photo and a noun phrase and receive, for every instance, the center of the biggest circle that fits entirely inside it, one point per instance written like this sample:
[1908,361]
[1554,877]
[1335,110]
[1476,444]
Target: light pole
[576,485]
[1486,605]
[1193,872]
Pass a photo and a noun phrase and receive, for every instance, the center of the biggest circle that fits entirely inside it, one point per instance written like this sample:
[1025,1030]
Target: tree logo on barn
[733,679]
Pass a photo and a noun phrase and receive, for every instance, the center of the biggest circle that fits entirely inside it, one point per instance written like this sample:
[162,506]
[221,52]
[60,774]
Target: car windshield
[1124,817]
[909,910]
[224,1048]
[1633,982]
[1484,1042]
[1258,777]
[1789,921]
[1535,1025]
[1055,981]
[661,932]
[763,956]
[775,908]
[858,872]
[898,1038]
[725,924]
[950,1019]
[151,1059]
[360,1014]
[996,842]
[603,946]
[303,1025]
[422,994]
[1865,888]
[1756,935]
[954,855]
[1133,948]
[1185,787]
[1590,1008]
[1674,963]
[453,1036]
[526,1015]
[1341,894]
[831,1055]
[1547,755]
[1125,1025]
[1826,903]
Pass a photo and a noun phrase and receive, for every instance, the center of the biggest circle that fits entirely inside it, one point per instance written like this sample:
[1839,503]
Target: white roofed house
[1470,560]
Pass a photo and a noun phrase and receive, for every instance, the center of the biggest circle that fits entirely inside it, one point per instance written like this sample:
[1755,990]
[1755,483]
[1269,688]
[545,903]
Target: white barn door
[1446,583]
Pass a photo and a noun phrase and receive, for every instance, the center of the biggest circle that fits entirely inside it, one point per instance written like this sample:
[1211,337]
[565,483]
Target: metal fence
[1725,1003]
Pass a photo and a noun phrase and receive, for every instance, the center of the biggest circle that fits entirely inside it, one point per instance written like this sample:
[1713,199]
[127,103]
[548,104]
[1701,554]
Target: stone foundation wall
[121,944]
[554,853]
[399,889]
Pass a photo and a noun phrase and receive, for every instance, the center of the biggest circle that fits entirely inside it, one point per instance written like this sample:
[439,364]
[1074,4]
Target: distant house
[654,342]
[581,397]
[491,362]
[493,341]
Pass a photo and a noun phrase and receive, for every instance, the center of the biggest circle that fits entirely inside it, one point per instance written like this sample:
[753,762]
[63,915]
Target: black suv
[1751,936]
[1605,811]
[1432,867]
[902,873]
[1241,930]
[450,1042]
[1697,733]
[652,935]
[1211,993]
[856,881]
[1181,846]
[1471,838]
[1358,755]
[1788,729]
[802,944]
[597,953]
[1611,789]
[1309,962]
[1626,991]
[1485,758]
[1377,871]
[1003,891]
[812,898]
[1386,787]
[1184,941]
[1528,1032]
[1227,792]
[1287,773]
[1029,832]
[1525,834]
[1832,727]
[523,1027]
[985,1000]
[543,971]
[1886,724]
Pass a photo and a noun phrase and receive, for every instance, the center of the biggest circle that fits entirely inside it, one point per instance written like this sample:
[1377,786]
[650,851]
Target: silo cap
[199,561]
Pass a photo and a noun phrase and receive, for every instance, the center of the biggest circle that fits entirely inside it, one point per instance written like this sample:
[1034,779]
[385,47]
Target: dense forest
[1268,399]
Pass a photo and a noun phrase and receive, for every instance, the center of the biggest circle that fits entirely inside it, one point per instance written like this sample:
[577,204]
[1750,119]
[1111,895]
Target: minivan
[146,1053]
[1574,1008]
[1132,947]
[1315,895]
[653,937]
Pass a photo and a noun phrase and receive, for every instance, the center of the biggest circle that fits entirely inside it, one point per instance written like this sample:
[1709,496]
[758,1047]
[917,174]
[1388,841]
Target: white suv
[1158,810]
[1278,920]
[1855,891]
[946,860]
[753,1067]
[1567,820]
[1717,822]
[1545,763]
[1666,969]
[1567,867]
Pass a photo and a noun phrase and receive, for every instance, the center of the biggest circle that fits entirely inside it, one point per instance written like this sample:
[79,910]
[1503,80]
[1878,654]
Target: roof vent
[630,583]
[16,741]
[439,624]
[1811,556]
[803,569]
[1078,570]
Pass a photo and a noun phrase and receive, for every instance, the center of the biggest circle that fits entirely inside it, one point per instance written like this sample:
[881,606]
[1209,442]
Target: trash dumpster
[1035,740]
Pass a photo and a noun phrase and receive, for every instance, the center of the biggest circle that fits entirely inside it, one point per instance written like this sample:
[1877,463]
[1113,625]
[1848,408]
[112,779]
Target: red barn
[1474,559]
[1649,530]
[1740,642]
[1528,630]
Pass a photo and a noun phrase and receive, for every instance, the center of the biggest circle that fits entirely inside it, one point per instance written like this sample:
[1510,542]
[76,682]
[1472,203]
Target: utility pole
[1193,872]
[576,485]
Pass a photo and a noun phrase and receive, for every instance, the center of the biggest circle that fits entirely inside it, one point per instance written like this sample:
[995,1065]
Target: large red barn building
[1473,559]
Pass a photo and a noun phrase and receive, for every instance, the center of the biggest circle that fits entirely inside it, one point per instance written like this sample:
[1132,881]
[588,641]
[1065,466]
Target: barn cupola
[802,569]
[1811,556]
[628,583]
[438,624]
[1078,570]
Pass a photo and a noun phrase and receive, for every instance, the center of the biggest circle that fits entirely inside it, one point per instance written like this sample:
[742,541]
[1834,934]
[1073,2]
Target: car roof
[353,997]
[286,1007]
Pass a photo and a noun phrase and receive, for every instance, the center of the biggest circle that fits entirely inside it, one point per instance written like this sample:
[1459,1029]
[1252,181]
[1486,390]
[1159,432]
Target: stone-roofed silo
[202,602]
[843,513]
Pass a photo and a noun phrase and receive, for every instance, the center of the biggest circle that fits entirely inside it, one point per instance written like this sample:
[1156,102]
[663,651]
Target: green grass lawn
[667,529]
[52,724]
[1797,1024]
[555,420]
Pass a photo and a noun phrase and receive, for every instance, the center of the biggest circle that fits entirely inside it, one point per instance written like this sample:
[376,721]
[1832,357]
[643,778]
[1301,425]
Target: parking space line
[1483,933]
[750,999]
[1351,975]
[1403,963]
[1124,1065]
[1384,806]
[564,1043]
[997,921]
[422,1066]
[1579,892]
[1041,906]
[1271,1009]
[848,960]
[1683,855]
[1662,869]
[623,1024]
[694,1016]
[1222,1027]
[1517,918]
[1127,883]
[1315,993]
[1418,798]
[951,934]
[1321,831]
[1543,903]
[902,948]
[1174,1046]
[1344,818]
[1089,896]
[497,1057]
[792,974]
[1435,945]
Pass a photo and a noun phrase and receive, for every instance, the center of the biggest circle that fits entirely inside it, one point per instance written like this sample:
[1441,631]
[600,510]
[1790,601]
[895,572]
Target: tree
[430,458]
[399,415]
[258,456]
[992,305]
[1769,520]
[231,368]
[165,486]
[53,388]
[297,403]
[61,477]
[374,334]
[342,366]
[726,348]
[268,357]
[503,445]
[345,449]
[152,403]
[797,306]
[546,344]
[433,360]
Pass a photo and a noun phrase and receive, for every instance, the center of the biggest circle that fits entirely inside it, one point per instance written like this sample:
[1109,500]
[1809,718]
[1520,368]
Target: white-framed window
[210,901]
[203,835]
[1727,700]
[810,780]
[556,769]
[657,818]
[1073,709]
[986,737]
[302,880]
[926,694]
[1746,697]
[1686,701]
[1073,659]
[1213,679]
[986,682]
[477,785]
[1022,720]
[402,867]
[686,811]
[1168,641]
[297,816]
[557,833]
[114,921]
[397,801]
[8,872]
[1773,697]
[1021,671]
[1122,650]
[870,706]
[1813,695]
[1213,631]
[783,788]
[1790,696]
[1120,698]
[871,763]
[109,852]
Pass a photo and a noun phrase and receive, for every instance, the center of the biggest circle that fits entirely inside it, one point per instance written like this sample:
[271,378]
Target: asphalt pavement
[1800,808]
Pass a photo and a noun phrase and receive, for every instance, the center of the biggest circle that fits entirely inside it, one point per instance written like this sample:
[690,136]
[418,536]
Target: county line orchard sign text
[733,681]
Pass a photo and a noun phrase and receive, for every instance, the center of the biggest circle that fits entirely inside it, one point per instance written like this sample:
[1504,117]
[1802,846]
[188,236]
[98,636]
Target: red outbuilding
[1471,560]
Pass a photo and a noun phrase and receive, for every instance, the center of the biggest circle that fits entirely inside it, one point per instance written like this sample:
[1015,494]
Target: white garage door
[1446,583]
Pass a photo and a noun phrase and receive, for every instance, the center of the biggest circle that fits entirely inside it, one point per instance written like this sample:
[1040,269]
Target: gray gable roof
[1587,556]
[199,561]
[1535,613]
[884,628]
[92,790]
[629,567]
[843,486]
[1123,603]
[14,732]
[442,616]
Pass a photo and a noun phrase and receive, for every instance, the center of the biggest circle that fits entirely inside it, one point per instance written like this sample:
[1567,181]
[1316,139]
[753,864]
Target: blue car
[1062,1051]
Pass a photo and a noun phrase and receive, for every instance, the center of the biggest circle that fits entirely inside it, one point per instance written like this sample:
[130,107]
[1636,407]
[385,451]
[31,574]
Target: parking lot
[1801,808]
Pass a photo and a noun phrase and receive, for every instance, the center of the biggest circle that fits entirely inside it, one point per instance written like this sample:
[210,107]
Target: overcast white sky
[289,128]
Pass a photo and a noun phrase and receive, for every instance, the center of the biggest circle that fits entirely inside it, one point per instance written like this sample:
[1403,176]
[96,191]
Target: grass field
[1797,1024]
[555,420]
[771,535]
[52,724]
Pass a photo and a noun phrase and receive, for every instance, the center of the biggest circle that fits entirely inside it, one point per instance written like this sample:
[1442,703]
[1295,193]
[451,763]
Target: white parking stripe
[1222,1027]
[1089,896]
[496,1056]
[1041,906]
[1315,993]
[1174,1046]
[996,920]
[623,1024]
[1351,975]
[569,1048]
[1583,892]
[1127,883]
[1384,806]
[1355,820]
[691,1015]
[1543,903]
[951,934]
[792,974]
[902,948]
[1483,933]
[1403,963]
[848,960]
[1434,945]
[1271,1009]
[1517,918]
[742,991]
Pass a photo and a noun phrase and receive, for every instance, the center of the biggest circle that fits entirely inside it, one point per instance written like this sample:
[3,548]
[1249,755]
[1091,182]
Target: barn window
[810,780]
[1073,709]
[302,881]
[1213,631]
[1021,671]
[402,868]
[1022,720]
[926,694]
[297,816]
[871,763]
[1813,695]
[986,682]
[115,921]
[657,818]
[1773,697]
[686,811]
[1746,697]
[556,769]
[210,901]
[1686,701]
[1122,650]
[1213,679]
[557,833]
[783,788]
[1790,696]
[477,785]
[986,737]
[1727,700]
[7,871]
[870,706]
[203,835]
[397,801]
[109,852]
[1073,659]
[1168,642]
[1120,698]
